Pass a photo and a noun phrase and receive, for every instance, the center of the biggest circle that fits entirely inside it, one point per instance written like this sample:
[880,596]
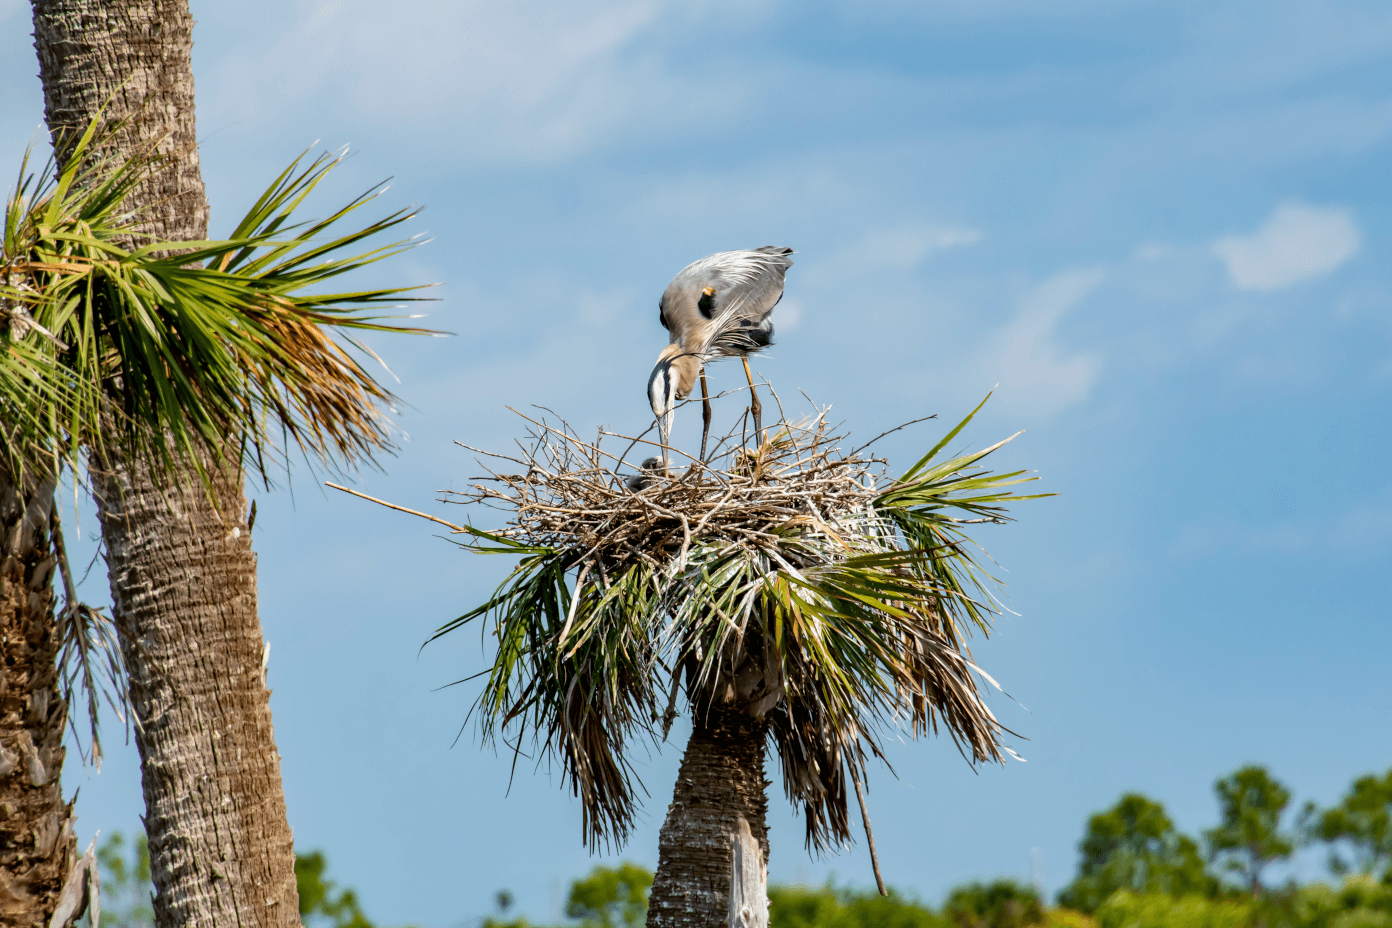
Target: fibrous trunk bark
[183,587]
[135,58]
[36,825]
[713,849]
[182,572]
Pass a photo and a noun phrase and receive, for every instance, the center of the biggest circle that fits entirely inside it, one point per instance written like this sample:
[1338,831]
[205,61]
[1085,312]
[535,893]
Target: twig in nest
[373,499]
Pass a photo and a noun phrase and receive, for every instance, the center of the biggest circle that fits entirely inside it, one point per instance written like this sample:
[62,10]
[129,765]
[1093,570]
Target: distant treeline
[1135,870]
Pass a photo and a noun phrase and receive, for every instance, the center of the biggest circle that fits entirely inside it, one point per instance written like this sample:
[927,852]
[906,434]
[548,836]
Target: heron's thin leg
[754,407]
[705,415]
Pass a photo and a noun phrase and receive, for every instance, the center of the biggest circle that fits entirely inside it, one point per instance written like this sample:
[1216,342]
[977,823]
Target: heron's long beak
[662,395]
[664,432]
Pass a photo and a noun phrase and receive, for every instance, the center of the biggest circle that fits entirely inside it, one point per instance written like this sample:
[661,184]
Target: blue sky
[1158,229]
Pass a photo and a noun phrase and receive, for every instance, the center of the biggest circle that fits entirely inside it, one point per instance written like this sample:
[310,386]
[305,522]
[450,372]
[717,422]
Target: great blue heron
[718,307]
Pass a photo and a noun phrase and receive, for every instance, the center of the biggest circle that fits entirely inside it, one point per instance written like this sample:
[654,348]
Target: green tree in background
[504,900]
[999,904]
[319,904]
[1137,871]
[611,897]
[1134,846]
[1360,902]
[1125,909]
[1363,820]
[1250,838]
[125,883]
[827,907]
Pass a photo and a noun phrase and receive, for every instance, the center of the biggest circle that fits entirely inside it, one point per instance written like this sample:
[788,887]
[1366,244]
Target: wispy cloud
[907,246]
[1034,370]
[1298,243]
[789,315]
[513,79]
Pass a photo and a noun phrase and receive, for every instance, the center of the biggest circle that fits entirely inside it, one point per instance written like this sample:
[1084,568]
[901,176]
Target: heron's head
[672,379]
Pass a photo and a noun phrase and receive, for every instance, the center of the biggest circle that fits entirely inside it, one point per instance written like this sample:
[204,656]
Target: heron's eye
[707,302]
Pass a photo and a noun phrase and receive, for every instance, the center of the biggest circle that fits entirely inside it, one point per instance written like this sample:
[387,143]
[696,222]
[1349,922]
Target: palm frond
[572,674]
[796,581]
[111,340]
[167,346]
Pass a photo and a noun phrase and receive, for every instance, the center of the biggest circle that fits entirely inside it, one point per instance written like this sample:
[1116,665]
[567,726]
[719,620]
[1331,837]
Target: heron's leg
[705,415]
[754,408]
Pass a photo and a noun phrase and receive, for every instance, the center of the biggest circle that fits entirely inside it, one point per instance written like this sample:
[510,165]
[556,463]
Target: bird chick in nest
[643,479]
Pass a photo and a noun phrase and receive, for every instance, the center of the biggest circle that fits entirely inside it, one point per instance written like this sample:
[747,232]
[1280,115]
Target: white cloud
[602,310]
[906,246]
[511,79]
[1298,243]
[1153,251]
[1033,370]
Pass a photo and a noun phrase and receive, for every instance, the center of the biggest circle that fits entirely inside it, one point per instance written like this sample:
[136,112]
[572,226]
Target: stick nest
[573,495]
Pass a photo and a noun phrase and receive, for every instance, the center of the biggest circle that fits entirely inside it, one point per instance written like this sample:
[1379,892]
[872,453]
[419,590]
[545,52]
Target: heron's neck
[685,369]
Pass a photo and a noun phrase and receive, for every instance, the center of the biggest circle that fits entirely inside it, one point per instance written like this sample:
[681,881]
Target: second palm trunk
[36,825]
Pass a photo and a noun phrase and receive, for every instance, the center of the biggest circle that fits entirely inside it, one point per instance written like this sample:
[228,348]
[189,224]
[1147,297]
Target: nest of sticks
[795,580]
[572,494]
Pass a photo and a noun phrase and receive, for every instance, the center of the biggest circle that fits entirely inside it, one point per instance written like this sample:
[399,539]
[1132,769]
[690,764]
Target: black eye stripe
[706,304]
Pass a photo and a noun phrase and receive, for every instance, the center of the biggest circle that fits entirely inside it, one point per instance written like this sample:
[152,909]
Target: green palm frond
[168,346]
[796,582]
[573,673]
[109,341]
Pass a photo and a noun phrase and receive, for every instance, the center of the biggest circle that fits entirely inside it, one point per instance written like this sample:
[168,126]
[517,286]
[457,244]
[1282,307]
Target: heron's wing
[756,282]
[749,283]
[755,285]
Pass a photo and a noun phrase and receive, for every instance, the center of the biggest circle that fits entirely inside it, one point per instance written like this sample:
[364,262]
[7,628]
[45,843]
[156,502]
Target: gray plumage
[721,306]
[718,307]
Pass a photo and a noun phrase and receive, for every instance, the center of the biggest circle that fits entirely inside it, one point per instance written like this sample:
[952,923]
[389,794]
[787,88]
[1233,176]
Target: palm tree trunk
[36,825]
[135,57]
[183,586]
[182,572]
[713,849]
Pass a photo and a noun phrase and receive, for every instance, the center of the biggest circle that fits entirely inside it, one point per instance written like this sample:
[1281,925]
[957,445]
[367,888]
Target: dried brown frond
[321,396]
